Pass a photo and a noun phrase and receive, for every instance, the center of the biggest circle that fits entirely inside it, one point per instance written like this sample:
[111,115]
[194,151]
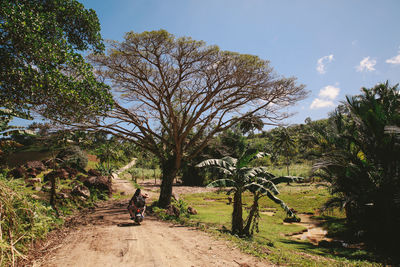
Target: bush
[73,157]
[22,219]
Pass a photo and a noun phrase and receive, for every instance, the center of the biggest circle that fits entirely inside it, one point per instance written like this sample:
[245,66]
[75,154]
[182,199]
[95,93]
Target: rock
[62,195]
[81,191]
[102,183]
[93,172]
[61,173]
[36,197]
[18,172]
[37,188]
[32,173]
[191,210]
[81,177]
[50,163]
[291,219]
[71,171]
[33,181]
[36,165]
[172,210]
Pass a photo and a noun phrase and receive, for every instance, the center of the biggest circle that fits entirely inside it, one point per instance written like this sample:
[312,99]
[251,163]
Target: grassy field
[271,242]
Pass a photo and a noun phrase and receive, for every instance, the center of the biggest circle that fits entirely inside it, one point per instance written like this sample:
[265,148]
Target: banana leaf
[222,183]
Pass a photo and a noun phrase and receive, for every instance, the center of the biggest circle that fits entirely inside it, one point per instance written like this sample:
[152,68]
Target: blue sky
[334,47]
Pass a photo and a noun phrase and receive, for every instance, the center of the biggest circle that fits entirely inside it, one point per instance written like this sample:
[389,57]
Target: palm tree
[242,178]
[283,141]
[363,164]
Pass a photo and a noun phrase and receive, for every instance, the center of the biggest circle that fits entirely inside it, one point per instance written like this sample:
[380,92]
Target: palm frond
[222,183]
[249,155]
[232,161]
[281,203]
[261,186]
[219,163]
[253,172]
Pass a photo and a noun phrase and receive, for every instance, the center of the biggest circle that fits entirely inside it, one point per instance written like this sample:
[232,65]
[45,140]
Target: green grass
[271,242]
[295,169]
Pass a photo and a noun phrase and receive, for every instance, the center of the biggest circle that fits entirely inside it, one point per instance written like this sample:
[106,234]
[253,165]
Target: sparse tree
[174,94]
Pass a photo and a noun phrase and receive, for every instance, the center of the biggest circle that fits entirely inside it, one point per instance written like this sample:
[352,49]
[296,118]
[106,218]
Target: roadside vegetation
[188,107]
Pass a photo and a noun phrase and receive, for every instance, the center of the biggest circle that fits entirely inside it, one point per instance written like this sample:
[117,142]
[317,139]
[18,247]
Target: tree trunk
[253,210]
[169,172]
[237,219]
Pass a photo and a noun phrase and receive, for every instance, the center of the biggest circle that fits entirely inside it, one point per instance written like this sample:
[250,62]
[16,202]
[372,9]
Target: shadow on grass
[342,252]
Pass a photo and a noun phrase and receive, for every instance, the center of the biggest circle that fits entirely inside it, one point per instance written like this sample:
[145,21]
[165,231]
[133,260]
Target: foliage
[242,178]
[40,64]
[73,157]
[363,163]
[21,221]
[178,93]
[284,143]
[104,169]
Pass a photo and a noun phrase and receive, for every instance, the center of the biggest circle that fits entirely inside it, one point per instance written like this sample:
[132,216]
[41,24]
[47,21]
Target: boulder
[49,163]
[18,172]
[172,210]
[60,173]
[81,191]
[291,219]
[101,183]
[93,172]
[32,173]
[71,171]
[33,181]
[37,165]
[62,195]
[191,210]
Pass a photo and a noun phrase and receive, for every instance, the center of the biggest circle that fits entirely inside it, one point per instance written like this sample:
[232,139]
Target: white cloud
[366,64]
[321,103]
[322,62]
[325,97]
[394,60]
[329,92]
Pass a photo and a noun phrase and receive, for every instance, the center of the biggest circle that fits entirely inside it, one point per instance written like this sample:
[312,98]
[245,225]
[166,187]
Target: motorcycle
[138,218]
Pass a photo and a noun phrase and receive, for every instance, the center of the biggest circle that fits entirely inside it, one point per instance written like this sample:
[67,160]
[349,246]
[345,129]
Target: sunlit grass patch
[273,240]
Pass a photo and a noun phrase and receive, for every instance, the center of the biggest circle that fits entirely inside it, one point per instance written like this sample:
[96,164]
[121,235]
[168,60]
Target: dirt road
[107,237]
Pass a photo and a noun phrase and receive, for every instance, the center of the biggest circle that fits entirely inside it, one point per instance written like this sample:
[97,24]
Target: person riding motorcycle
[138,201]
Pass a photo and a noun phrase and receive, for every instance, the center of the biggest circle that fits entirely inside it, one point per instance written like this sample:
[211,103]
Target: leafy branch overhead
[40,67]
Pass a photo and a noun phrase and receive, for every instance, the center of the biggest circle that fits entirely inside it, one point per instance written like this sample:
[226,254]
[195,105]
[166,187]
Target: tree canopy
[174,94]
[40,66]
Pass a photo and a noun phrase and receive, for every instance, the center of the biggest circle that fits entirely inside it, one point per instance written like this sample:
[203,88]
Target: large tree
[174,94]
[40,63]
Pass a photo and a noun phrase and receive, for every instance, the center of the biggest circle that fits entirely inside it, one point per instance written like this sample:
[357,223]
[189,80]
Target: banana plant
[243,178]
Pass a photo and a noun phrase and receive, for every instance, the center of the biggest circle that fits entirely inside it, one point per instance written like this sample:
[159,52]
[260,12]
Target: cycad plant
[241,178]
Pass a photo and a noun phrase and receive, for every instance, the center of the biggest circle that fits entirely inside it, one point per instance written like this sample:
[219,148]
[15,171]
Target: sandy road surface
[107,237]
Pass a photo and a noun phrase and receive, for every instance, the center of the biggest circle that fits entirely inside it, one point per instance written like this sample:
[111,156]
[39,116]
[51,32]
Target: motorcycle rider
[138,201]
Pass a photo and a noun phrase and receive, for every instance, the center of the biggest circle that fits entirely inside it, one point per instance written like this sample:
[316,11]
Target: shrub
[73,157]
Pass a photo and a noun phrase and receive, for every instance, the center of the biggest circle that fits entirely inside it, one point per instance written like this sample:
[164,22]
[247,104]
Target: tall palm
[242,178]
[284,141]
